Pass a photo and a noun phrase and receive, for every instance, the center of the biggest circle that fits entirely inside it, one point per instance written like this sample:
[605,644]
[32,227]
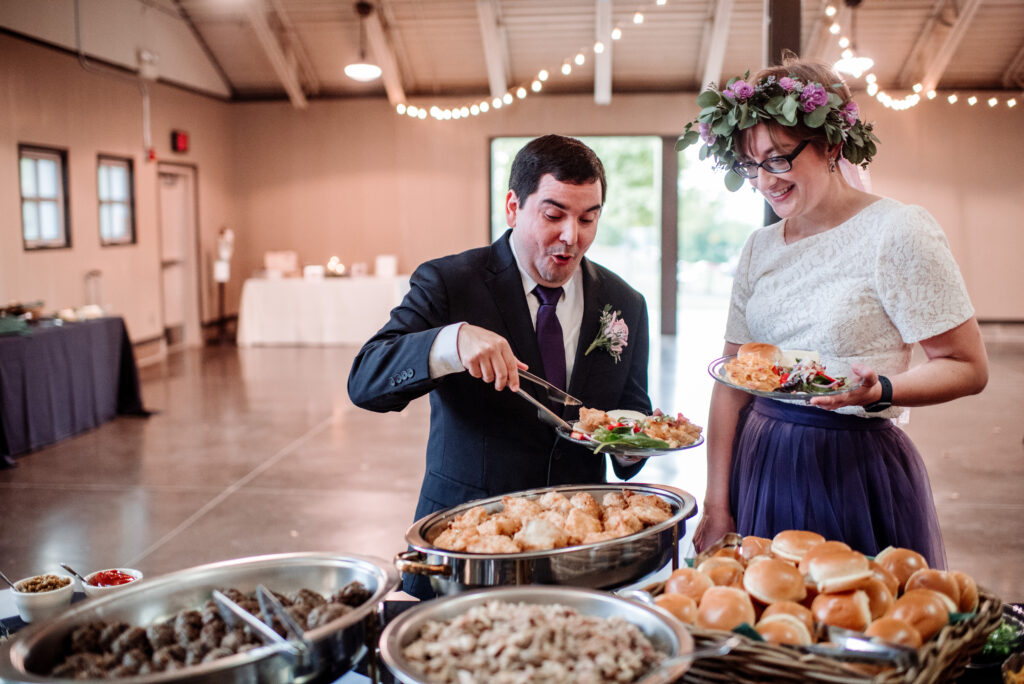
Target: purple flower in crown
[812,97]
[612,334]
[727,92]
[706,135]
[787,84]
[850,113]
[742,89]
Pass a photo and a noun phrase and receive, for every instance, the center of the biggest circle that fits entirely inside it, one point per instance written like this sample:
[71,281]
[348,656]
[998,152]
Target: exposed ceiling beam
[381,50]
[294,45]
[1013,77]
[492,33]
[284,67]
[717,43]
[937,43]
[603,59]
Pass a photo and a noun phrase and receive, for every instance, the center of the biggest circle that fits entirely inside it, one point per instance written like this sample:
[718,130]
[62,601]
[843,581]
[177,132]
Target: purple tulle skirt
[857,480]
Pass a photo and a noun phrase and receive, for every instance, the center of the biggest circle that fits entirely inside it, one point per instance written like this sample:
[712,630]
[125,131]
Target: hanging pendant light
[851,63]
[363,70]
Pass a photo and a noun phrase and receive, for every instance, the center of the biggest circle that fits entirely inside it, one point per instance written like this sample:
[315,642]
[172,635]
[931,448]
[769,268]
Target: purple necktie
[549,335]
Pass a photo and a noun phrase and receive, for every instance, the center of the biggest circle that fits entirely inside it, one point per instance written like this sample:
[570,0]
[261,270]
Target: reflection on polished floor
[259,450]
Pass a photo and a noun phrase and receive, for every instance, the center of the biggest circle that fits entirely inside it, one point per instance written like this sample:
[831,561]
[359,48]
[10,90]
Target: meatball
[187,626]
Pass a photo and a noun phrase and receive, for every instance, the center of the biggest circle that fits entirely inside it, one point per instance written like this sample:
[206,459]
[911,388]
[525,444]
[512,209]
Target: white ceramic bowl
[93,590]
[34,606]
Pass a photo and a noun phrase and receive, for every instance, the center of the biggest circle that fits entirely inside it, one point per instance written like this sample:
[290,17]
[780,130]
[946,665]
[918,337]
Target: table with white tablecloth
[295,311]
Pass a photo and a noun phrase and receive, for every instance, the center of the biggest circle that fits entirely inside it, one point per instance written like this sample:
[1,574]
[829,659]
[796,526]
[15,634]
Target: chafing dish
[602,565]
[333,648]
[666,635]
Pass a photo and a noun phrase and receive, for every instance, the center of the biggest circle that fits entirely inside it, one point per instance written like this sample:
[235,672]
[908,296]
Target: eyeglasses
[779,164]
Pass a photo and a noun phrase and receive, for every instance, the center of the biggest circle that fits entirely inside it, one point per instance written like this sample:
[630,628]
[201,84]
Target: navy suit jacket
[483,442]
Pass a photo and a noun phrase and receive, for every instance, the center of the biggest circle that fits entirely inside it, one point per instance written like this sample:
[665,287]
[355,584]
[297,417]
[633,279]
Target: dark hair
[567,159]
[808,72]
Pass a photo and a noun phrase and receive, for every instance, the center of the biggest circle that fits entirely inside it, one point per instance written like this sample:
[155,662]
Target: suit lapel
[506,288]
[593,302]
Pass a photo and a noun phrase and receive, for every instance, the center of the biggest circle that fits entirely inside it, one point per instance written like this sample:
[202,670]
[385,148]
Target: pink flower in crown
[850,113]
[787,84]
[612,334]
[742,90]
[706,135]
[812,97]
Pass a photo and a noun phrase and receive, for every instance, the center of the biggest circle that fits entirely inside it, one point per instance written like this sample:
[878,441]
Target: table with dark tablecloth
[60,380]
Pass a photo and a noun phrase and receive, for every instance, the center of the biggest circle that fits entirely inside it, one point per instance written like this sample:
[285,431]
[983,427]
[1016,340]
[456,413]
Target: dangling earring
[832,165]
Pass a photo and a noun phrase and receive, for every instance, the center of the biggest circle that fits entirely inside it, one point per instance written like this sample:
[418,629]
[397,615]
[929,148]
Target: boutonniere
[612,334]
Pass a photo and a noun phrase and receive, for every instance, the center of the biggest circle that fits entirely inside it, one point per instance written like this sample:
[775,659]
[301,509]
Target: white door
[179,256]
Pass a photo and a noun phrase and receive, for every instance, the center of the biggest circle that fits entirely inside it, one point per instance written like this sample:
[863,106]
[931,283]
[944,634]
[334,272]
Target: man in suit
[470,321]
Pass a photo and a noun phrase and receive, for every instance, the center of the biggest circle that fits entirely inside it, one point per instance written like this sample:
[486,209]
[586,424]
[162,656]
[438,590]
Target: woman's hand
[714,524]
[868,393]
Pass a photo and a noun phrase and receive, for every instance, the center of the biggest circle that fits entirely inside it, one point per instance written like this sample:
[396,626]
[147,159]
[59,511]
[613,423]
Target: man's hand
[488,356]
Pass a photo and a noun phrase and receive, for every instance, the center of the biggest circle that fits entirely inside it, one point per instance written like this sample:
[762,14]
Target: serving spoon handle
[9,582]
[72,571]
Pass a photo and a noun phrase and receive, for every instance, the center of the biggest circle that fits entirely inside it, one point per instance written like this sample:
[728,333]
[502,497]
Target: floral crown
[786,101]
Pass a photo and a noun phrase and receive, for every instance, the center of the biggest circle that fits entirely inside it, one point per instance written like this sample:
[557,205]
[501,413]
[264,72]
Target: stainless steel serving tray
[603,565]
[666,635]
[335,647]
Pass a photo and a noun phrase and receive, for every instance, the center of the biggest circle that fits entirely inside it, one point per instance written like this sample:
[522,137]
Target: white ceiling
[440,48]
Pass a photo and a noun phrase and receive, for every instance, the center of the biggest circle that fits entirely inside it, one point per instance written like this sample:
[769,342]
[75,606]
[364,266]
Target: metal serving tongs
[232,613]
[848,645]
[671,669]
[555,394]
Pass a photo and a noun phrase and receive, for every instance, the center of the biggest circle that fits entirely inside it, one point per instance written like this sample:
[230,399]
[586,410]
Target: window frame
[129,165]
[60,156]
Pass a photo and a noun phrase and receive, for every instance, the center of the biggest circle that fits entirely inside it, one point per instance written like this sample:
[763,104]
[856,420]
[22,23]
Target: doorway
[179,256]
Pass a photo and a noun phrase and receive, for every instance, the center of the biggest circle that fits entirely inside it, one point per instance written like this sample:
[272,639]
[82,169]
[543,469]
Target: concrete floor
[259,450]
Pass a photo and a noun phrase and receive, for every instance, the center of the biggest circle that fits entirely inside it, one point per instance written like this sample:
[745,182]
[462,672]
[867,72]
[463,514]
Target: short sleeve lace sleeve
[736,330]
[917,279]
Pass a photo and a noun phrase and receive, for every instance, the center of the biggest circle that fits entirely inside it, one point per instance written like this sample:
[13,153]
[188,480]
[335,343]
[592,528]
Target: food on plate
[110,578]
[552,521]
[838,570]
[791,545]
[725,608]
[765,368]
[683,608]
[783,629]
[846,609]
[771,580]
[513,642]
[42,583]
[657,431]
[113,649]
[894,631]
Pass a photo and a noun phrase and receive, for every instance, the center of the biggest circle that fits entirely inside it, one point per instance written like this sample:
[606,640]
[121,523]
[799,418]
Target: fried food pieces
[552,521]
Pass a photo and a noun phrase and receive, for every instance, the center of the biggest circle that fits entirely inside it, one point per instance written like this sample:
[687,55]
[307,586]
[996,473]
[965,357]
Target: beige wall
[351,178]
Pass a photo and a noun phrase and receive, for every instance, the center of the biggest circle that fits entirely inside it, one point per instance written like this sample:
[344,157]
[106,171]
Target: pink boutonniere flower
[612,335]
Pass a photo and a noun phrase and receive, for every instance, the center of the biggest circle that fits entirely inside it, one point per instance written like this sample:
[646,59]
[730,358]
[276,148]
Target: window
[44,207]
[116,198]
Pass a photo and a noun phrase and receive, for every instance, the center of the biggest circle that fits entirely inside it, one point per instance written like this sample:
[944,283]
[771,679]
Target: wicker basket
[942,658]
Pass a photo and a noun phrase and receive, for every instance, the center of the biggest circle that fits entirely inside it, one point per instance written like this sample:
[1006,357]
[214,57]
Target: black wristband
[885,401]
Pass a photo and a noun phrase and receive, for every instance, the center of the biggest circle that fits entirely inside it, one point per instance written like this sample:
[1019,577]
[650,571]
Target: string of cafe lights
[524,90]
[887,100]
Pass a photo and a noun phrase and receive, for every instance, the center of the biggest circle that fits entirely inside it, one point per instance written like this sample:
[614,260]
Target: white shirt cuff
[444,352]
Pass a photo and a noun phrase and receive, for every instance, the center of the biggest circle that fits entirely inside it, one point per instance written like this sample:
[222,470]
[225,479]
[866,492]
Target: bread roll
[886,577]
[763,350]
[688,582]
[755,546]
[939,580]
[773,580]
[838,570]
[798,611]
[683,608]
[894,631]
[902,563]
[819,549]
[783,629]
[926,610]
[725,608]
[968,591]
[724,572]
[846,609]
[880,599]
[791,545]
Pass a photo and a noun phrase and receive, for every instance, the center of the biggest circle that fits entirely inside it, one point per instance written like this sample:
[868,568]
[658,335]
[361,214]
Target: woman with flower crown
[857,277]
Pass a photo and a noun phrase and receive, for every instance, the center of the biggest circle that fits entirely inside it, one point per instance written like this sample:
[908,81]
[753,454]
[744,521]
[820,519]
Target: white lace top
[864,291]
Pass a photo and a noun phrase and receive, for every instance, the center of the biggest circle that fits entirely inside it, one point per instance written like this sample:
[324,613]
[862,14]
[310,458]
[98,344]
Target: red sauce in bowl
[110,578]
